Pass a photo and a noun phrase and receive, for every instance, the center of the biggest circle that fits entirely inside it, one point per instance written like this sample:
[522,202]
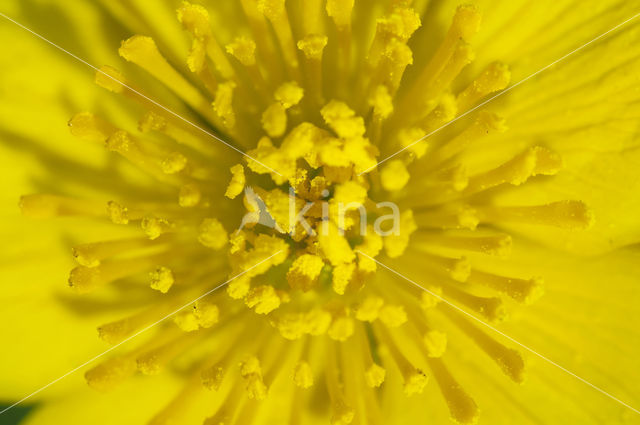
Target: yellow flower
[248,214]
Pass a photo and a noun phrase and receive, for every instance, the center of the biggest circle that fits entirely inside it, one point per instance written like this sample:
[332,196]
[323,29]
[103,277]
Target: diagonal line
[482,322]
[169,111]
[507,90]
[134,335]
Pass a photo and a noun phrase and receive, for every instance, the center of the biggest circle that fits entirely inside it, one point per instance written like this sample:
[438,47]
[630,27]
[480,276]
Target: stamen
[212,375]
[509,360]
[187,320]
[465,24]
[153,361]
[195,19]
[223,104]
[353,390]
[91,254]
[394,176]
[399,25]
[174,163]
[239,287]
[304,272]
[335,246]
[237,183]
[437,188]
[115,332]
[212,234]
[374,413]
[446,111]
[382,103]
[461,406]
[494,78]
[289,94]
[107,375]
[276,13]
[374,373]
[342,276]
[177,132]
[118,214]
[431,299]
[393,316]
[87,126]
[562,214]
[341,412]
[143,52]
[86,279]
[312,12]
[155,227]
[263,299]
[372,245]
[342,326]
[251,371]
[162,279]
[130,148]
[244,50]
[340,11]
[526,291]
[312,45]
[343,120]
[406,138]
[397,57]
[294,326]
[274,120]
[535,161]
[111,79]
[435,343]
[457,269]
[48,206]
[190,195]
[486,123]
[498,245]
[492,309]
[414,379]
[303,375]
[197,63]
[463,217]
[462,56]
[369,309]
[228,409]
[206,312]
[264,40]
[396,244]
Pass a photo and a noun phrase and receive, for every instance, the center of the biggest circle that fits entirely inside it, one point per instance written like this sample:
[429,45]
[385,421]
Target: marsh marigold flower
[303,212]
